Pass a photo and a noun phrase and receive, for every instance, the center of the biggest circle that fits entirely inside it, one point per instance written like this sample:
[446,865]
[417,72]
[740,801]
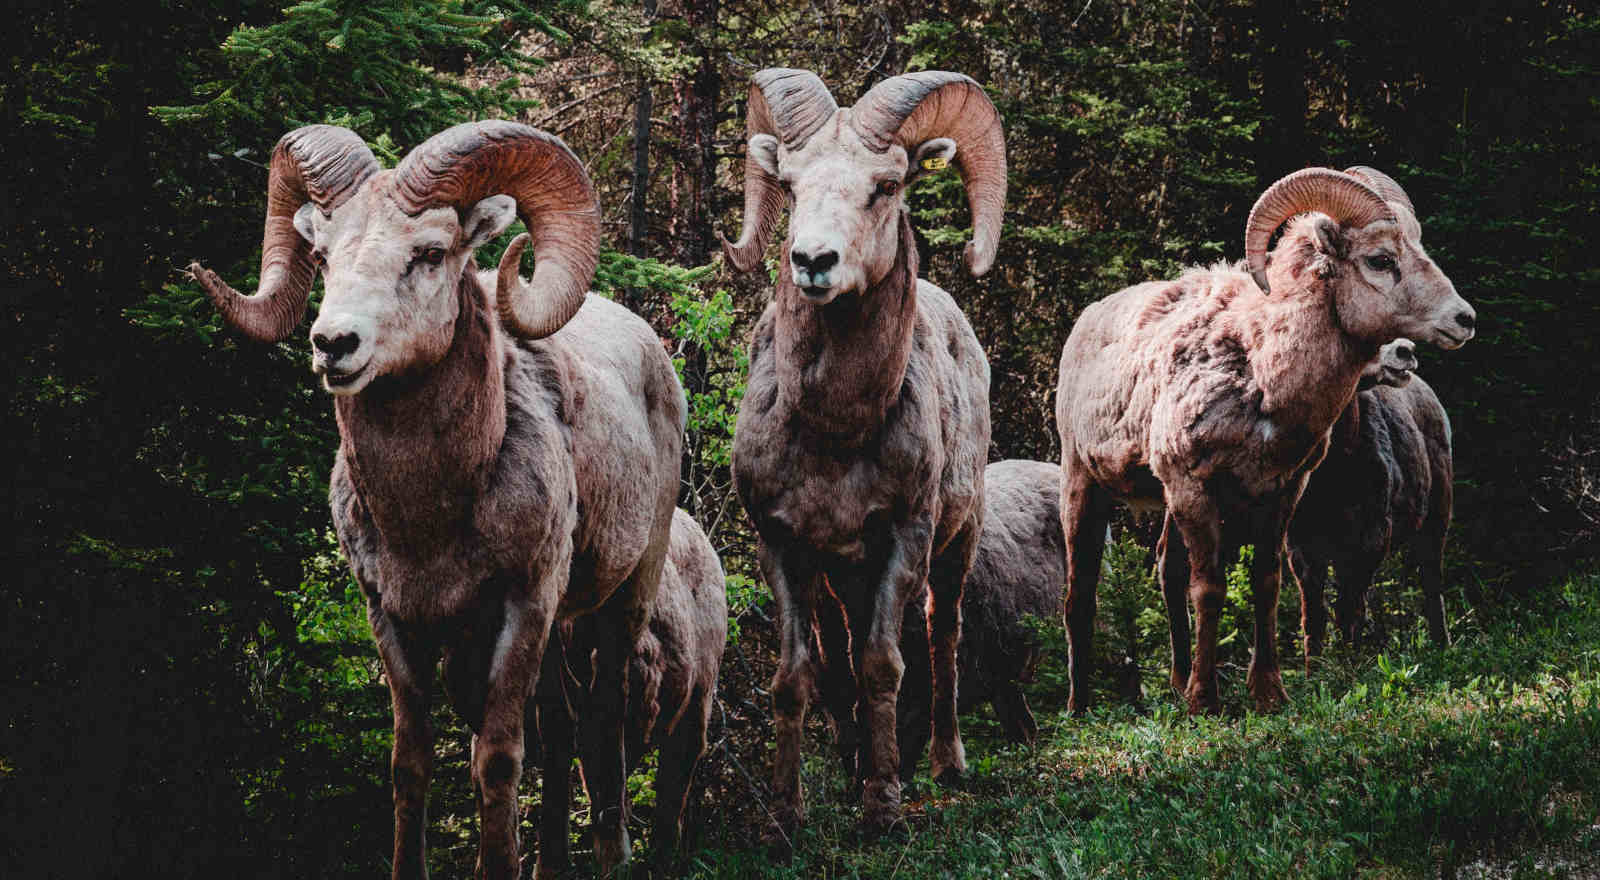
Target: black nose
[820,263]
[336,346]
[1405,352]
[1466,319]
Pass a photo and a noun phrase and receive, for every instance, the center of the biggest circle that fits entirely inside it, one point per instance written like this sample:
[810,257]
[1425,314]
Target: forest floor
[1480,759]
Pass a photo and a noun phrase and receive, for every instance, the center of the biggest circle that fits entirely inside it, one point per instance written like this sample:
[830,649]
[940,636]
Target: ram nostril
[824,261]
[336,346]
[1405,352]
[1466,319]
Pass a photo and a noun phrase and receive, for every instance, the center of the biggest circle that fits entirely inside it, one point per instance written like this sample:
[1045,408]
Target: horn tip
[979,261]
[737,256]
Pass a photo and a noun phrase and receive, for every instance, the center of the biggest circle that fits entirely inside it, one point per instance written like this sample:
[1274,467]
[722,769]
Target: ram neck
[1306,366]
[841,366]
[420,448]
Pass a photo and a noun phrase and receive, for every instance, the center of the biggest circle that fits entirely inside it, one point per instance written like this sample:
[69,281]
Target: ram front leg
[881,668]
[498,748]
[408,664]
[877,610]
[1201,524]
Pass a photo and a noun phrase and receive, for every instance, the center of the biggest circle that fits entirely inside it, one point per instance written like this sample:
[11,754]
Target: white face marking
[390,282]
[1400,291]
[844,208]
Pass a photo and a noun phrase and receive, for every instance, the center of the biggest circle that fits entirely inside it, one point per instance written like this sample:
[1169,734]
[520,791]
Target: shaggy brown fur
[861,440]
[1017,572]
[672,686]
[484,487]
[1211,397]
[456,496]
[1386,481]
[859,456]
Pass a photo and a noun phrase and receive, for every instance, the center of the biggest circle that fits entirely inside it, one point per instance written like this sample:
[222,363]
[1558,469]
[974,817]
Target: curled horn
[1389,191]
[915,107]
[321,164]
[790,105]
[463,165]
[1345,198]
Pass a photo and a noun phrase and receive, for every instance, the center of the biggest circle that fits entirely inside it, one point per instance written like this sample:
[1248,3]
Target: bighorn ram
[1386,481]
[1214,394]
[486,484]
[672,686]
[861,441]
[1017,571]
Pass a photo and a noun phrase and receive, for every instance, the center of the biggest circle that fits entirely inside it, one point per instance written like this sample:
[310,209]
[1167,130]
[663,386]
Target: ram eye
[1381,262]
[432,256]
[319,259]
[888,187]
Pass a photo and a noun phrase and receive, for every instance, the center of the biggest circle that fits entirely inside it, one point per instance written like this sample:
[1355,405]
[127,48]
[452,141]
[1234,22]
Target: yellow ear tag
[935,163]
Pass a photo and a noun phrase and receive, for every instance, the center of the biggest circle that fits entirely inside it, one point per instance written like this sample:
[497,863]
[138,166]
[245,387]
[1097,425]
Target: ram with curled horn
[1213,395]
[508,449]
[863,434]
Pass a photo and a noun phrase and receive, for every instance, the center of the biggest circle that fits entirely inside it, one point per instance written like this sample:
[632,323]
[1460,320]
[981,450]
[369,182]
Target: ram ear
[487,219]
[1331,239]
[764,152]
[305,222]
[930,157]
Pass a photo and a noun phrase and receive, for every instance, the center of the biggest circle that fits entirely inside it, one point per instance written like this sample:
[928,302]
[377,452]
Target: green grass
[1407,763]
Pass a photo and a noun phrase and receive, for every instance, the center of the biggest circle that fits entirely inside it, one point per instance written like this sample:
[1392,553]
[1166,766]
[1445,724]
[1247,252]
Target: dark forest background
[186,683]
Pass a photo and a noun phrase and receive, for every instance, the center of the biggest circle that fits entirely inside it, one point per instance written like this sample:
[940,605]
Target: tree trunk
[693,194]
[694,175]
[638,231]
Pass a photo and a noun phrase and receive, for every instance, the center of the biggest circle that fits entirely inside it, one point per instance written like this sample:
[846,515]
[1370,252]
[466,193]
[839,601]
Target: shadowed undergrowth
[1410,762]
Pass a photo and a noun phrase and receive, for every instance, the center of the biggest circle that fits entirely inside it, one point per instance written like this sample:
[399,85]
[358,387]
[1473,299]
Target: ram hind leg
[679,756]
[915,700]
[837,680]
[1311,573]
[1173,568]
[1354,576]
[555,729]
[1016,719]
[602,739]
[946,578]
[795,584]
[1428,550]
[1264,678]
[1085,512]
